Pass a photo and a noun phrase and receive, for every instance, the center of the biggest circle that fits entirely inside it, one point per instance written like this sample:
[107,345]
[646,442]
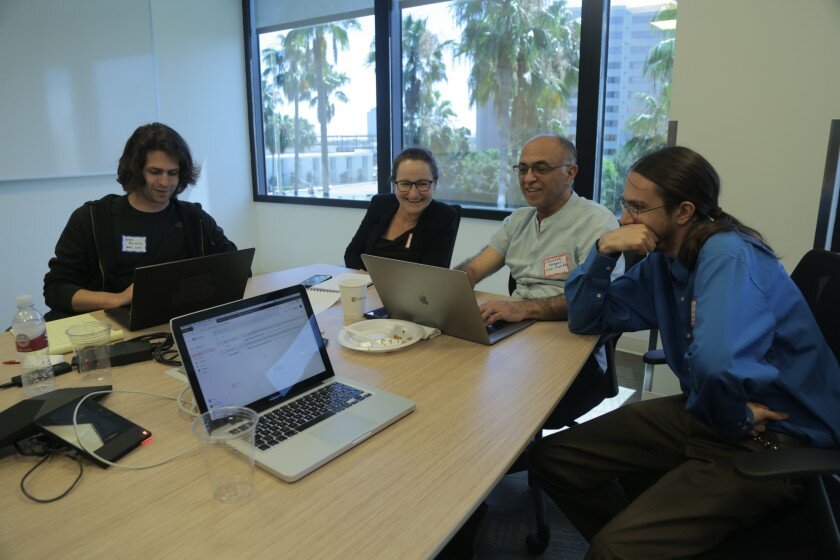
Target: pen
[10,362]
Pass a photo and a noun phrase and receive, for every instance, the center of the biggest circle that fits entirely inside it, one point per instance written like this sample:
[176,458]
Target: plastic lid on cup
[23,301]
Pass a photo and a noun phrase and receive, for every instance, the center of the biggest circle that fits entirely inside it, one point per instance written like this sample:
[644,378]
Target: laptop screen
[257,349]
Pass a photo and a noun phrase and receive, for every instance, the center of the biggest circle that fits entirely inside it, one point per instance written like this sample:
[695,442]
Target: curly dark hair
[149,138]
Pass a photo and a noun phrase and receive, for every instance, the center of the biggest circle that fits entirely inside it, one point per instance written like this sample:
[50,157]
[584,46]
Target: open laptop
[163,291]
[266,353]
[435,297]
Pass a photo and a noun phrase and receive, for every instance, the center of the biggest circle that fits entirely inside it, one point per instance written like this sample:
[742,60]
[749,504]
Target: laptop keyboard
[284,422]
[498,325]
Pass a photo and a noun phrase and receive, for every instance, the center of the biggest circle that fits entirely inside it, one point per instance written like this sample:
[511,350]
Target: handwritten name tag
[134,243]
[556,266]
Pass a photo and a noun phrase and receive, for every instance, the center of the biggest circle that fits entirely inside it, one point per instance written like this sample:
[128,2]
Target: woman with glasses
[407,225]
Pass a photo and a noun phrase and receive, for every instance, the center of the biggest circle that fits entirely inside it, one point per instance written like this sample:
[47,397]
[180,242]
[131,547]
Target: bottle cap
[23,301]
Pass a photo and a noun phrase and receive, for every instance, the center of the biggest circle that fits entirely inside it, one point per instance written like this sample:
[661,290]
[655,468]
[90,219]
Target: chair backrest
[457,208]
[818,277]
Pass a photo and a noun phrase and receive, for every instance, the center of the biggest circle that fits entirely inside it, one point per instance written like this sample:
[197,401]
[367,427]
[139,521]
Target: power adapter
[130,352]
[126,352]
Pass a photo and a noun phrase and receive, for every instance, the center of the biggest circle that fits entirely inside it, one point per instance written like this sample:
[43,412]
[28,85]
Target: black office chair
[810,529]
[457,208]
[588,390]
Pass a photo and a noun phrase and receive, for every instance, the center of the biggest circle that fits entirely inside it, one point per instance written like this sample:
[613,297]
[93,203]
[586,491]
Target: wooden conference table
[401,494]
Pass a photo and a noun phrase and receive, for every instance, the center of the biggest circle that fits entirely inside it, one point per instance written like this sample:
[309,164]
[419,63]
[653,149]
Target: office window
[479,79]
[644,107]
[337,88]
[318,100]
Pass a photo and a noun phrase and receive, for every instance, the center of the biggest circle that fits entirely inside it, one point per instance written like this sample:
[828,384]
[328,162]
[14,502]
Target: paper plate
[404,334]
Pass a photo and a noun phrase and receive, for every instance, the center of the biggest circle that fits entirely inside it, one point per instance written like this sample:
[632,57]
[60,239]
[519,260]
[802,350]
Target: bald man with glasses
[543,242]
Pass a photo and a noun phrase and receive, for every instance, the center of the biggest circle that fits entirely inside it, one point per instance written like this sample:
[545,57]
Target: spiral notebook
[331,285]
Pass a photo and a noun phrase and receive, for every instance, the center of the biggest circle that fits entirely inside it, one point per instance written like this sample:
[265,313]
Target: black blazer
[433,240]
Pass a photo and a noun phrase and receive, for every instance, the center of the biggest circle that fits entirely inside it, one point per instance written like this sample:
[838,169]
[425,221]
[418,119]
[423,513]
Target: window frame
[388,45]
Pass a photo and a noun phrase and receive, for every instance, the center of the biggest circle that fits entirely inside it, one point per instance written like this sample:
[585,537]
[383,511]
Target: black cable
[73,454]
[162,347]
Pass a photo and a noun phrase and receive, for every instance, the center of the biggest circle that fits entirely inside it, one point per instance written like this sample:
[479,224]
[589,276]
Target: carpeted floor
[510,516]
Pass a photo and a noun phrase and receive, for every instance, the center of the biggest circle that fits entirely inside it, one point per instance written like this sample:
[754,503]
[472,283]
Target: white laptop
[435,297]
[266,353]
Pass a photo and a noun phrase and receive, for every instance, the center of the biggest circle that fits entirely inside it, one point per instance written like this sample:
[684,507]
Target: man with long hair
[105,240]
[755,371]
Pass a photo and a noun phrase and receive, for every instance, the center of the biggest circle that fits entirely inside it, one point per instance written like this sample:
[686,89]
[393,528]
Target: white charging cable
[180,401]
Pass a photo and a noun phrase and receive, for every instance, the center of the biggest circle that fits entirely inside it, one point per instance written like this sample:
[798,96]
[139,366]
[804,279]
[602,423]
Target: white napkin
[428,332]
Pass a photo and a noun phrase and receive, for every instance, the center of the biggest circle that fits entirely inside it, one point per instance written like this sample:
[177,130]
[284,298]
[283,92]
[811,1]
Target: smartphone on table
[378,313]
[315,280]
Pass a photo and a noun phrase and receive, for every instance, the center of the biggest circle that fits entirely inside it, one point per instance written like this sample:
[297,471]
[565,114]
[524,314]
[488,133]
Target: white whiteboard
[76,78]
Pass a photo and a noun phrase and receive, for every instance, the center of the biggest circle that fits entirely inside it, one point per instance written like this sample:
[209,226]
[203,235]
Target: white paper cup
[353,296]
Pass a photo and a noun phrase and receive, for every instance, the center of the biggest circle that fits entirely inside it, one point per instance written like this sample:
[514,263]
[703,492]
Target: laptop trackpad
[343,429]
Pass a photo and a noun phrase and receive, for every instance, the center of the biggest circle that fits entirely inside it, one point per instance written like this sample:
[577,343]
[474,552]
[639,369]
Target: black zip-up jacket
[85,254]
[433,240]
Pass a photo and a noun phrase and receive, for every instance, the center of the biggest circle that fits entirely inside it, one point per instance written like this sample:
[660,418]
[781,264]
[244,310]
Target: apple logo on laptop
[422,299]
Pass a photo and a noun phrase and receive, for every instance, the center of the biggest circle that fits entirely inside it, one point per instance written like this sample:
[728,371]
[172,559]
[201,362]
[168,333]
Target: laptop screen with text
[258,350]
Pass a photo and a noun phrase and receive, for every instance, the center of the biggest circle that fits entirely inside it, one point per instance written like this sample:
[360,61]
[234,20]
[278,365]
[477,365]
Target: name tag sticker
[556,266]
[134,243]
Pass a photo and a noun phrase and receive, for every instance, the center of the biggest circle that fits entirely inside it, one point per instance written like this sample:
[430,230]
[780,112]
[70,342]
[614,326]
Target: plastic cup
[90,342]
[226,439]
[353,296]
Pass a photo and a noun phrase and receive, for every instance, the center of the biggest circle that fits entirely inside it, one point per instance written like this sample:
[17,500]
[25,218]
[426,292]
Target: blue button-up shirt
[734,329]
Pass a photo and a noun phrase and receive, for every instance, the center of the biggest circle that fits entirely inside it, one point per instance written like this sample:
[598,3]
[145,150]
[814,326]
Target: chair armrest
[788,462]
[655,357]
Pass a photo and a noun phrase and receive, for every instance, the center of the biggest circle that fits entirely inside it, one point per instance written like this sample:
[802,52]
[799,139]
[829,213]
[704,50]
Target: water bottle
[30,331]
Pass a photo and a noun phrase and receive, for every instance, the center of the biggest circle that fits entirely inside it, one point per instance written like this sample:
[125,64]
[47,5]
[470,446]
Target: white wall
[755,86]
[294,235]
[200,76]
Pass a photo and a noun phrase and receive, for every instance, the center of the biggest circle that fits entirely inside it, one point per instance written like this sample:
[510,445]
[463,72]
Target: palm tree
[524,56]
[272,80]
[296,88]
[425,116]
[326,80]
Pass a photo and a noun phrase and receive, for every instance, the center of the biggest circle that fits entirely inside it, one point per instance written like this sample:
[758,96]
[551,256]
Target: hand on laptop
[123,298]
[502,310]
[88,300]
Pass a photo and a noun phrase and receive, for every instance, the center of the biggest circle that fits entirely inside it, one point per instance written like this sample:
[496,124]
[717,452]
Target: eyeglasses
[633,210]
[539,168]
[405,186]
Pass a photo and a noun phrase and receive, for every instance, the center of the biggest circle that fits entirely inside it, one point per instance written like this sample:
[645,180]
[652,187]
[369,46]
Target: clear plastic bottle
[30,331]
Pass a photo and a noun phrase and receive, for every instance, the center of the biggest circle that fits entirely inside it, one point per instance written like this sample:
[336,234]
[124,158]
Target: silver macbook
[266,353]
[435,297]
[166,290]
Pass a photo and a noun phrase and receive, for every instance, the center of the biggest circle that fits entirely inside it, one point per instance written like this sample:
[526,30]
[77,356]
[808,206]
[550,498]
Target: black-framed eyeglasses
[539,168]
[635,211]
[405,186]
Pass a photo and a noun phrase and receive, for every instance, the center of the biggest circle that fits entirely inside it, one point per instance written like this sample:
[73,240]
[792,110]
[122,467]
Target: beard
[666,237]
